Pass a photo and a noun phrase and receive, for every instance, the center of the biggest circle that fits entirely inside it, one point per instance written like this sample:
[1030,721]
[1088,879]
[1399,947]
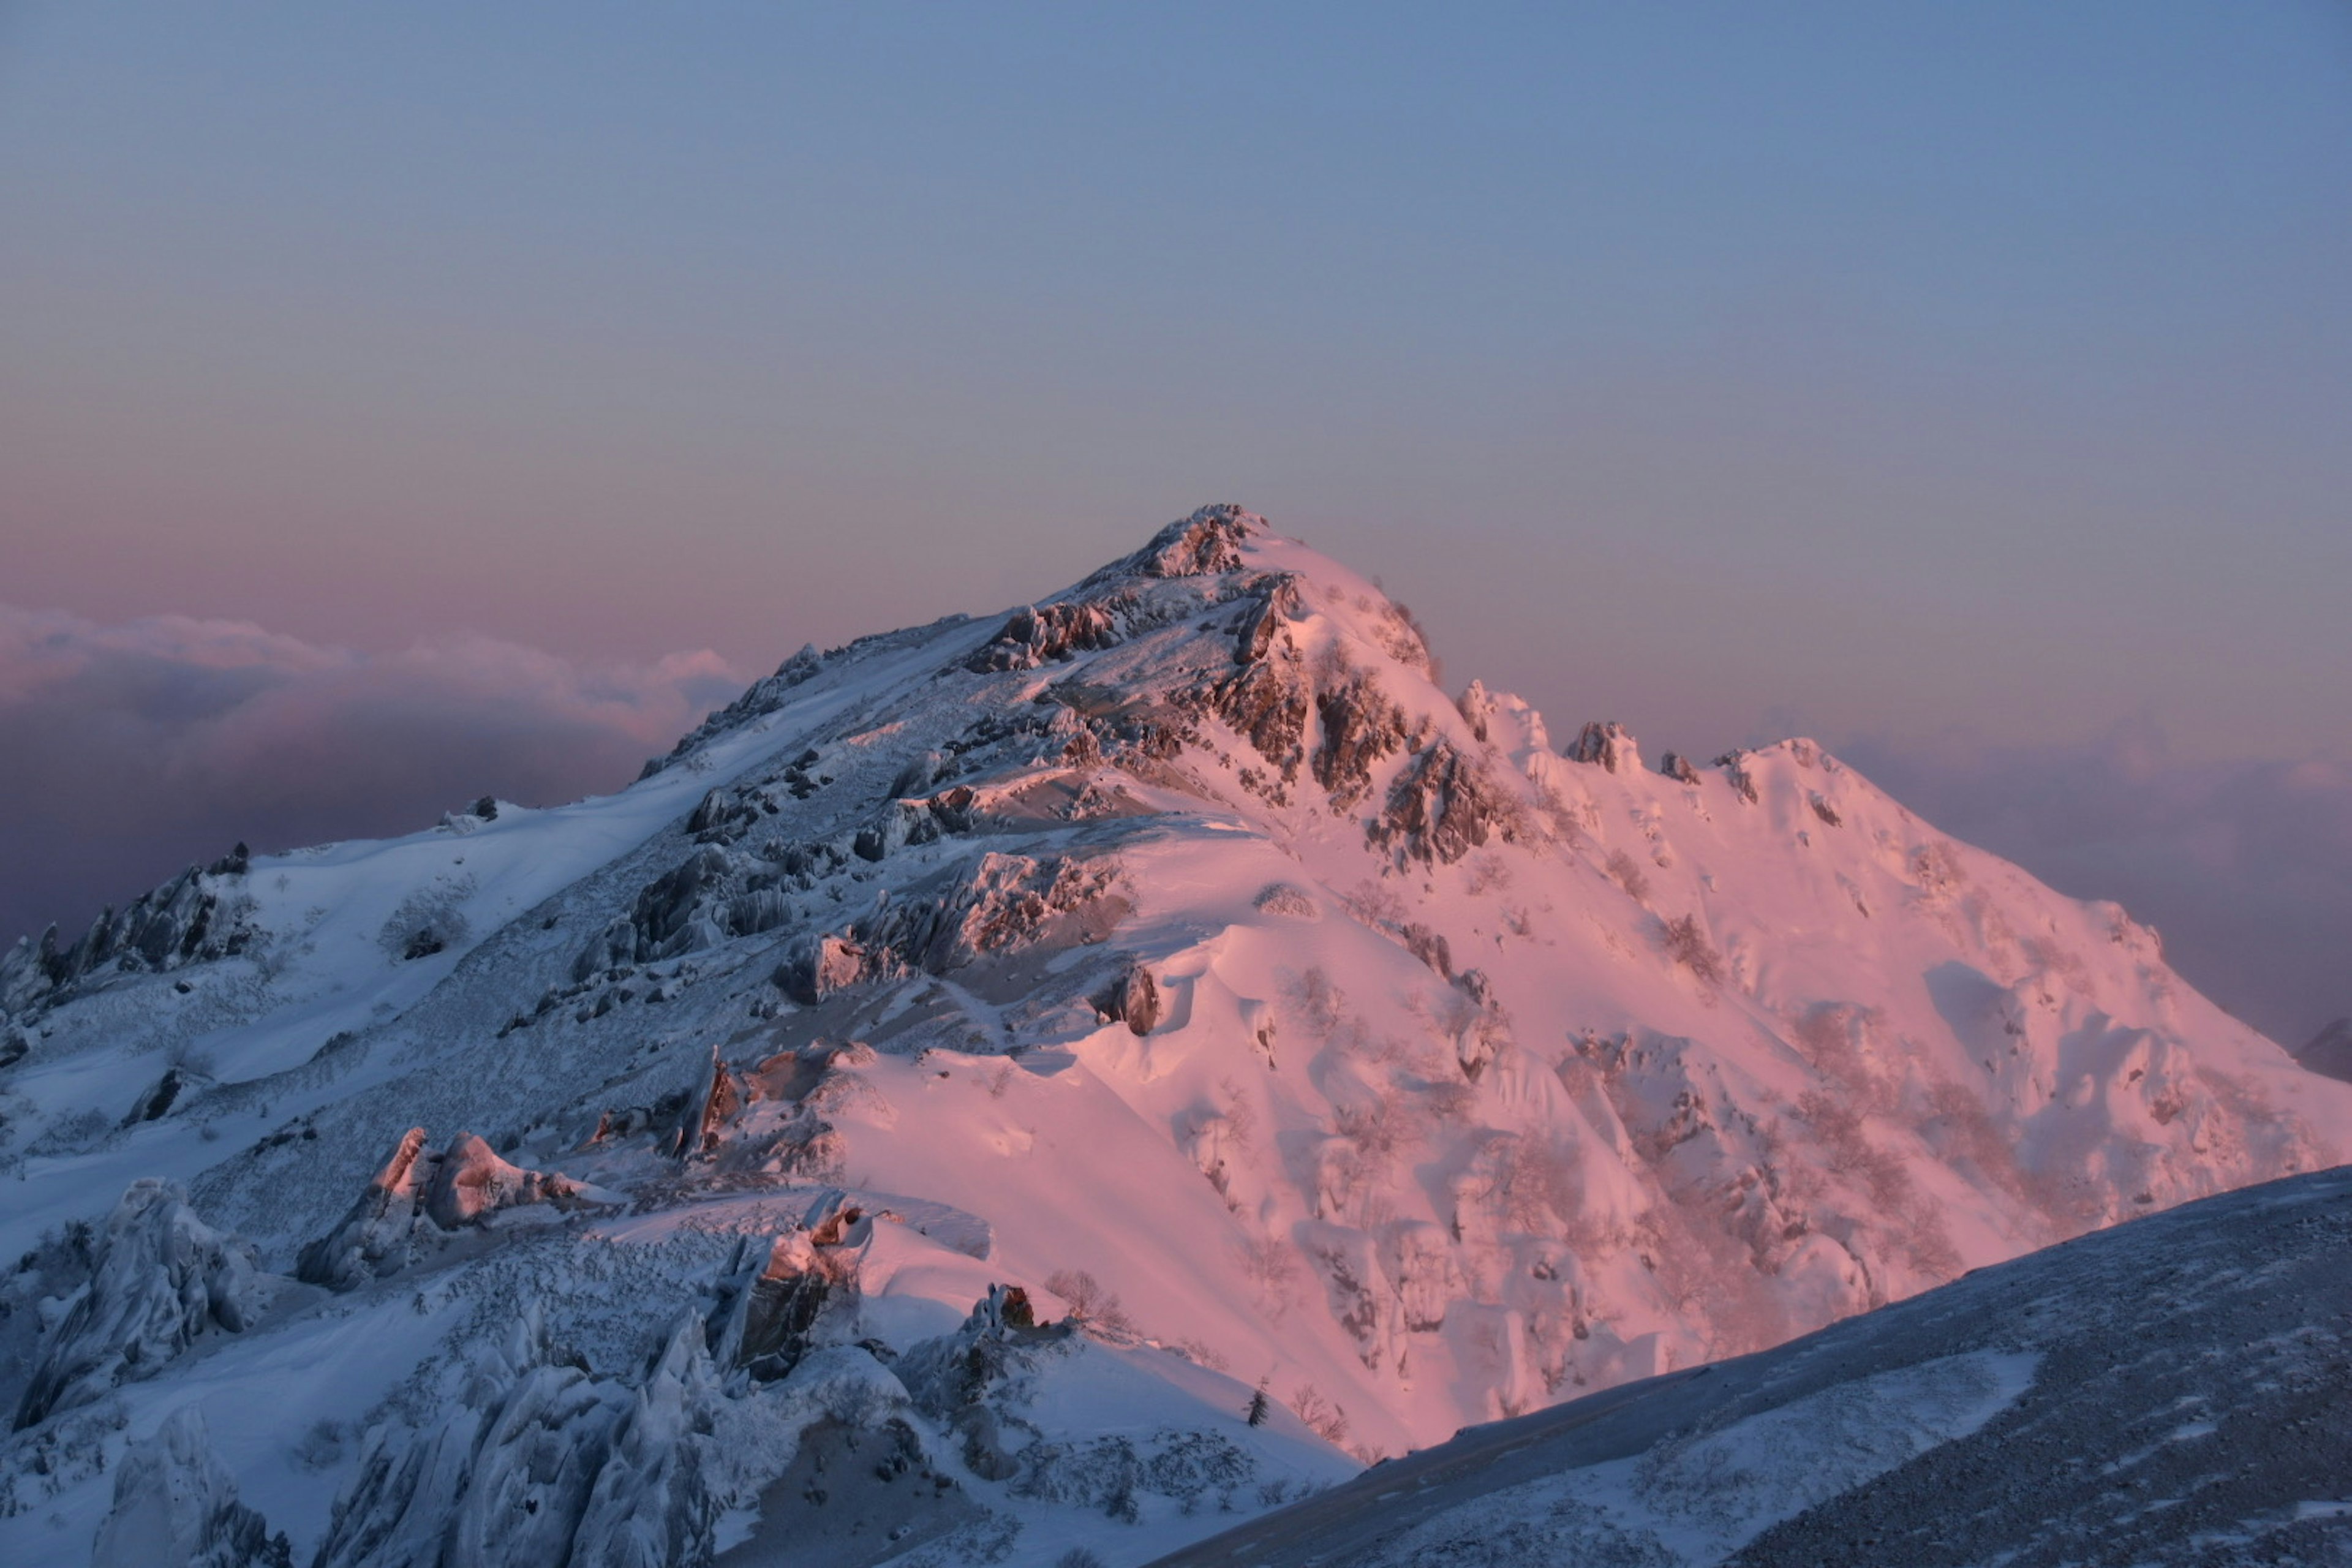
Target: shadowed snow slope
[2175,1390]
[991,1051]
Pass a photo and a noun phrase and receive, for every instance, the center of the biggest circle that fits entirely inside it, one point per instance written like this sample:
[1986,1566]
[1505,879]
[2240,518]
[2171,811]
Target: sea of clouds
[128,750]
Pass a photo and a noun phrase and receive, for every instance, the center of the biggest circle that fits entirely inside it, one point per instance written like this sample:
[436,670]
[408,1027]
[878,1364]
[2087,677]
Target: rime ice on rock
[417,1194]
[541,1464]
[176,1503]
[160,1278]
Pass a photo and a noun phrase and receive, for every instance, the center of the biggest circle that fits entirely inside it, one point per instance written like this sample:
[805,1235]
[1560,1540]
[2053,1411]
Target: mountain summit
[1039,1082]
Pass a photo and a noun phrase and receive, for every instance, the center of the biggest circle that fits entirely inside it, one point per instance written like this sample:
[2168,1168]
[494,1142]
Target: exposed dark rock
[1133,999]
[1735,768]
[1205,543]
[1039,635]
[818,967]
[1428,946]
[416,1189]
[1444,804]
[1360,727]
[1476,706]
[665,909]
[808,1281]
[373,1238]
[181,922]
[1610,746]
[470,1181]
[721,1097]
[1275,606]
[1006,901]
[1677,766]
[160,1099]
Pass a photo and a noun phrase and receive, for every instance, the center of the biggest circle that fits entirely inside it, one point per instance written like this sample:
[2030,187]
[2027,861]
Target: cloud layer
[128,750]
[2245,867]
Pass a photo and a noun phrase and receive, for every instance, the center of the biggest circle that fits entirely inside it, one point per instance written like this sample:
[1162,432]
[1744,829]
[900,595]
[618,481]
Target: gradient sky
[1892,373]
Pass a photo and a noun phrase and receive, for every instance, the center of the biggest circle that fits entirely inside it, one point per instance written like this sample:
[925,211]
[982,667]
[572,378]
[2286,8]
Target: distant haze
[1965,386]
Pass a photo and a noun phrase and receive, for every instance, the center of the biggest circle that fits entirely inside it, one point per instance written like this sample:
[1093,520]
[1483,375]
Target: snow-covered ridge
[1172,949]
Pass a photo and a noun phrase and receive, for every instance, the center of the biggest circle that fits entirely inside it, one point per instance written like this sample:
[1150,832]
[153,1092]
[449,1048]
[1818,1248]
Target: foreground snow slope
[1173,949]
[2175,1390]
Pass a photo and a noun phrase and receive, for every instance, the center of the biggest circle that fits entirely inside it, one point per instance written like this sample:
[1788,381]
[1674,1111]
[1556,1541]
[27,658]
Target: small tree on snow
[1260,1406]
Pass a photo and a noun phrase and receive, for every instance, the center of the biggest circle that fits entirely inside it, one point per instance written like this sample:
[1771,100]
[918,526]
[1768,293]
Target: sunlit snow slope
[2176,1391]
[1173,950]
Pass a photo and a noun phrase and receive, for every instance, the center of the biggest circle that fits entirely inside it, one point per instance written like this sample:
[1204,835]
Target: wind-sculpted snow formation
[934,1108]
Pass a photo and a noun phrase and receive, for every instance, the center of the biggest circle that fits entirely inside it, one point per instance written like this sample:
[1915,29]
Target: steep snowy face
[1174,949]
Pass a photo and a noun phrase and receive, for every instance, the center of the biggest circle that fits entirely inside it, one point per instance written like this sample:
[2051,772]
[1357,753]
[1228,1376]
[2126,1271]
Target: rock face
[471,1181]
[175,1502]
[160,1279]
[418,1192]
[1607,746]
[1132,999]
[373,1238]
[199,915]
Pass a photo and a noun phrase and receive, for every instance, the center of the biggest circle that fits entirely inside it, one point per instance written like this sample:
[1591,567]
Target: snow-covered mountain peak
[1171,951]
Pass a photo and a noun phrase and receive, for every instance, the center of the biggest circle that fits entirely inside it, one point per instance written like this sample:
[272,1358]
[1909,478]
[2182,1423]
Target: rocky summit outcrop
[1293,1060]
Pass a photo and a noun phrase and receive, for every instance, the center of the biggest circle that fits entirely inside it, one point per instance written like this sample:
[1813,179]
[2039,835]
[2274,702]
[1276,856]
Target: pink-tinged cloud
[128,749]
[2245,867]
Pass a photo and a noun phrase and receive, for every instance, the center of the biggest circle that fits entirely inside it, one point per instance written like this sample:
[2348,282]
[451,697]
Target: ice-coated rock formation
[176,1503]
[160,1278]
[418,1188]
[539,1464]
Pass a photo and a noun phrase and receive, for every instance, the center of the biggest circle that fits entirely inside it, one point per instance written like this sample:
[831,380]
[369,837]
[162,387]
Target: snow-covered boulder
[539,1464]
[160,1278]
[176,1503]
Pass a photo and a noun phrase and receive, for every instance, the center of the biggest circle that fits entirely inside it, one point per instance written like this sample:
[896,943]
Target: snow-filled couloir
[1085,1068]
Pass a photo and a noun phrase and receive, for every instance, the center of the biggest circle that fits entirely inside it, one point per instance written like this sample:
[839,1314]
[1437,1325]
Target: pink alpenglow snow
[1046,1084]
